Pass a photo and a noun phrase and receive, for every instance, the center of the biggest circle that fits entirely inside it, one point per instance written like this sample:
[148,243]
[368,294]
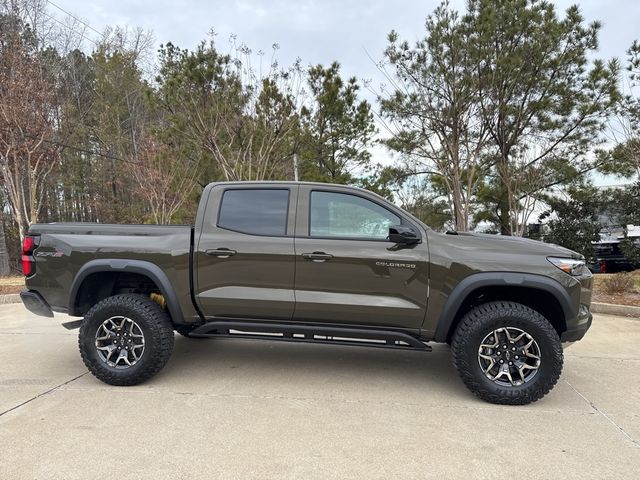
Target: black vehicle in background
[609,258]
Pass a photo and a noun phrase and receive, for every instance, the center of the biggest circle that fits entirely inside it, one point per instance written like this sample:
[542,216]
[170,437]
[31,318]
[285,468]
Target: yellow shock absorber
[159,299]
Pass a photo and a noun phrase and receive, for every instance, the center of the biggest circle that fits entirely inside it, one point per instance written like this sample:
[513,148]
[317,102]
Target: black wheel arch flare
[141,267]
[500,279]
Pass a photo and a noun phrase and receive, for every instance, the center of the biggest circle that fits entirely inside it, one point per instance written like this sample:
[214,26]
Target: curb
[10,298]
[615,309]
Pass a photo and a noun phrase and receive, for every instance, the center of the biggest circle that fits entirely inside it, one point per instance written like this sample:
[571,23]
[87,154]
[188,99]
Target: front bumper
[576,329]
[35,303]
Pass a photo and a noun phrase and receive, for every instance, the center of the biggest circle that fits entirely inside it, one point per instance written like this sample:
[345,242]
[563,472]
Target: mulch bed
[631,299]
[7,289]
[11,284]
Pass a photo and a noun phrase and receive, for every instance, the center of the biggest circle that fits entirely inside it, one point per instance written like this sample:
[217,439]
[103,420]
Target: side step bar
[311,334]
[72,325]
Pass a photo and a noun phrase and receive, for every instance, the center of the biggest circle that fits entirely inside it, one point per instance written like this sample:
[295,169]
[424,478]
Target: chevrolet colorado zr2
[312,262]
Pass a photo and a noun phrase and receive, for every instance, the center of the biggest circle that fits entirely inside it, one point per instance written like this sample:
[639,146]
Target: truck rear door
[244,255]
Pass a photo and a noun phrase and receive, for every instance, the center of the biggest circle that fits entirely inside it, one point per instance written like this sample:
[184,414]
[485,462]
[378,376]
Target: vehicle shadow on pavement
[264,366]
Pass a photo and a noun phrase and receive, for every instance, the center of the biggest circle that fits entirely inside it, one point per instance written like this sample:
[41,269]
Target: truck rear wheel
[507,353]
[125,339]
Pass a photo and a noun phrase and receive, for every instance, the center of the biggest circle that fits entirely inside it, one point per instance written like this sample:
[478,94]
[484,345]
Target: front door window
[340,215]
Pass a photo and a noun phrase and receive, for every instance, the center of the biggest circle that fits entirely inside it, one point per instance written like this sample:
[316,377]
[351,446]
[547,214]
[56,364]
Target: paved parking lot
[246,409]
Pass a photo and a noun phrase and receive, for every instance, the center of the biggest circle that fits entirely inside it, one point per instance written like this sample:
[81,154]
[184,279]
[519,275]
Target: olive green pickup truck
[318,263]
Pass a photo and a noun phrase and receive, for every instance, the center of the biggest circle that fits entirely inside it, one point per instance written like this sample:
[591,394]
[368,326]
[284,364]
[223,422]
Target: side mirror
[403,235]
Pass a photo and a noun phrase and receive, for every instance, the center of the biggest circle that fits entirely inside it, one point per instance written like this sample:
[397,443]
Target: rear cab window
[255,211]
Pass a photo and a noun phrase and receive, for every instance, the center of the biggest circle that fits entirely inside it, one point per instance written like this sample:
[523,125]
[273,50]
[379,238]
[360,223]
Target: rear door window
[255,211]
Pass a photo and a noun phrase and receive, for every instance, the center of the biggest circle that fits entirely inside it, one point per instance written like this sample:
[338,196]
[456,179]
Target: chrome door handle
[317,256]
[221,252]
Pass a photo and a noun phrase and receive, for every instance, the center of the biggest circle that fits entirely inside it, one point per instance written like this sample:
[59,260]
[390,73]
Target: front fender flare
[141,267]
[499,279]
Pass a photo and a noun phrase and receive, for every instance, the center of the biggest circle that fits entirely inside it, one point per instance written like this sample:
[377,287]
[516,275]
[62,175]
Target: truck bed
[66,248]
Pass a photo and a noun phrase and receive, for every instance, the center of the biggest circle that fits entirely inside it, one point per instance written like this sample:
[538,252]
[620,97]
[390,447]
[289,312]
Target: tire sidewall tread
[156,327]
[480,321]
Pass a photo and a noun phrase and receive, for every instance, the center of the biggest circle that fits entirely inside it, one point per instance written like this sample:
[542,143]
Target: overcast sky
[317,31]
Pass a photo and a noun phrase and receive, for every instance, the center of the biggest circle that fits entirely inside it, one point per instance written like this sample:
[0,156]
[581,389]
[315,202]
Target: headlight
[569,265]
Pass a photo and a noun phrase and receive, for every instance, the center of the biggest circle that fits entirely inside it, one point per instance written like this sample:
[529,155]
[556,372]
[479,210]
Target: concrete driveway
[246,409]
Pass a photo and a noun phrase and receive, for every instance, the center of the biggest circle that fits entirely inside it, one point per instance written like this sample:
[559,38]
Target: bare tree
[165,182]
[27,151]
[240,119]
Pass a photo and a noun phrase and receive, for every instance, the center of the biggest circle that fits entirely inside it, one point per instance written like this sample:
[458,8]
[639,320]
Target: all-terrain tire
[152,321]
[482,320]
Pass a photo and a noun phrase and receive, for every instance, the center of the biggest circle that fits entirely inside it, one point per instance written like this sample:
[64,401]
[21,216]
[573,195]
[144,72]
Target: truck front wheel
[507,353]
[125,339]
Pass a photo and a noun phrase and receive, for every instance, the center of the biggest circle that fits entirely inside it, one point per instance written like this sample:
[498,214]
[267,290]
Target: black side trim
[149,269]
[500,279]
[72,325]
[192,272]
[310,334]
[35,303]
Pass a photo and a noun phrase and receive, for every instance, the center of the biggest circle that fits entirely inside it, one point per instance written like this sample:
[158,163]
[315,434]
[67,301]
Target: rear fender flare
[141,267]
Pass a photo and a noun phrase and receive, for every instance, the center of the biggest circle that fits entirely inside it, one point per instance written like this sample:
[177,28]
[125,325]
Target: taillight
[29,244]
[603,266]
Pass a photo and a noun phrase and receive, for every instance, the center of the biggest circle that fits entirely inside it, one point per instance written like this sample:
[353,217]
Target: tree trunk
[459,212]
[4,253]
[504,209]
[504,217]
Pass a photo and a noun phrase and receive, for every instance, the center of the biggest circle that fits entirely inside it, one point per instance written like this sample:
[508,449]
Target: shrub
[618,283]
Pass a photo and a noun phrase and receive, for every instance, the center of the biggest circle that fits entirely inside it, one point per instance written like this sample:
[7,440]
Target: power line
[90,152]
[73,16]
[77,149]
[82,35]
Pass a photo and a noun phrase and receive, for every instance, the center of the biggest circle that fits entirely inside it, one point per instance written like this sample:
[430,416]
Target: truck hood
[510,244]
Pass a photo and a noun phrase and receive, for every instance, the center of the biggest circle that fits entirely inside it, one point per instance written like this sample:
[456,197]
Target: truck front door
[244,257]
[347,272]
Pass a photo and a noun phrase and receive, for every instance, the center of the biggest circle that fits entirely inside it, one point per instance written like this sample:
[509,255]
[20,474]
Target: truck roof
[282,182]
